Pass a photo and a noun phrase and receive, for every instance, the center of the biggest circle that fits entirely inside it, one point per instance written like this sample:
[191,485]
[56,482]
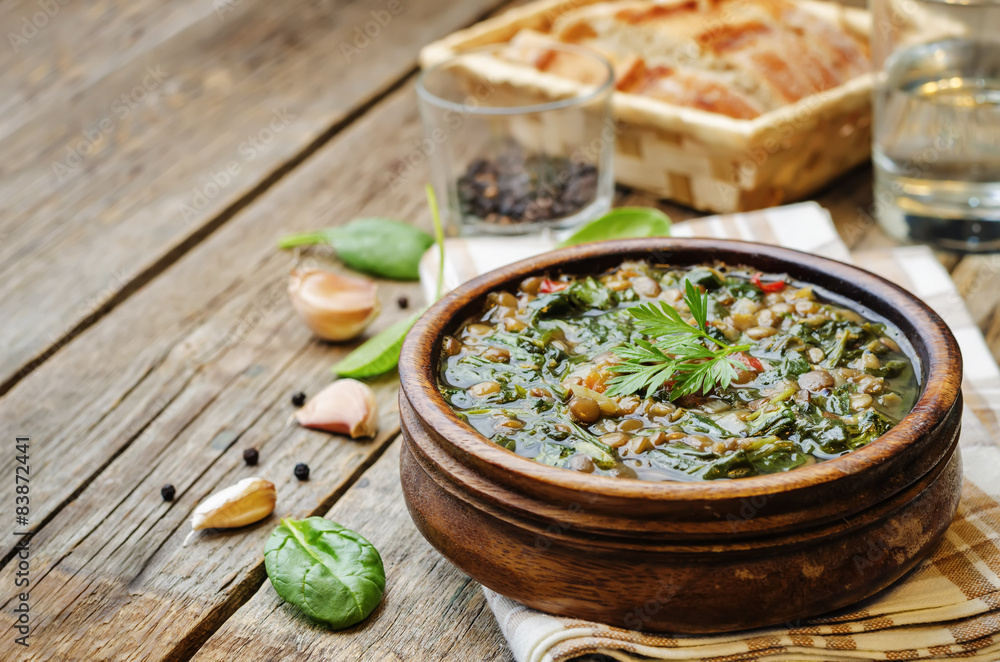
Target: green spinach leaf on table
[331,573]
[379,354]
[622,223]
[378,246]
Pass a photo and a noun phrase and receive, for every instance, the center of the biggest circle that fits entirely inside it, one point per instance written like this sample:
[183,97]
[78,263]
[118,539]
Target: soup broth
[539,371]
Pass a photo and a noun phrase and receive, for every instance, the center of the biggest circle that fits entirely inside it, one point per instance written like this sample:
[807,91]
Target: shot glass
[515,149]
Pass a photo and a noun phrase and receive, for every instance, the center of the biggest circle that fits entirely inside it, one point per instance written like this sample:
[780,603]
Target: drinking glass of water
[936,148]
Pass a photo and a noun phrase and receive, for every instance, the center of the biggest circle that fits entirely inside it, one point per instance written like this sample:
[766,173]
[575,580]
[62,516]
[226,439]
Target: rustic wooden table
[154,152]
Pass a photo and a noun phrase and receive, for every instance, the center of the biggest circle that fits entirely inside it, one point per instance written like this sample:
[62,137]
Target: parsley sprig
[694,360]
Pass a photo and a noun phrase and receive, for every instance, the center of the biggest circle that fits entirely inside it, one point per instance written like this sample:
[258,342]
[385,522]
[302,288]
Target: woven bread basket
[704,160]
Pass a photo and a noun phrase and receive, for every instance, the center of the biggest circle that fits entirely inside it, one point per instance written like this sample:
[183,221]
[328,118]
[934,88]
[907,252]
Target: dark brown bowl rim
[941,388]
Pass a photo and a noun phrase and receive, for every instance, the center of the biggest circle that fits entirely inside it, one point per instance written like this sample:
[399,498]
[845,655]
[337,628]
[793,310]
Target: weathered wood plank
[170,387]
[431,610]
[211,116]
[110,384]
[54,49]
[111,564]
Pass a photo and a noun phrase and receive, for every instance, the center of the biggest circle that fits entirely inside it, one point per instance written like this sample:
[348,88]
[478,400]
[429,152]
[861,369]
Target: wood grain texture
[431,611]
[56,49]
[159,359]
[210,116]
[169,388]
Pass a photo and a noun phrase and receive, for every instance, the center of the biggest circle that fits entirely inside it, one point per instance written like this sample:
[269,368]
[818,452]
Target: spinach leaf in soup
[331,573]
[588,293]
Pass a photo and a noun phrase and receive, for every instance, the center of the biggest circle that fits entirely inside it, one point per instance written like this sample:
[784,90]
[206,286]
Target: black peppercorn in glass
[514,146]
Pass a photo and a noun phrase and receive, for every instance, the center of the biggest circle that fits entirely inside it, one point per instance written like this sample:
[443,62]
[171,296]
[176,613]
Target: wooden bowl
[674,556]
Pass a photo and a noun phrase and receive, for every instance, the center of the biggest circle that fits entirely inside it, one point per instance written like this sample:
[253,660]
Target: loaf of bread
[739,58]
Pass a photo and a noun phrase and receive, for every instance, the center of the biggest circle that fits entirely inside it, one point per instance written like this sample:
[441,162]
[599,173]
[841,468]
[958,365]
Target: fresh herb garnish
[695,360]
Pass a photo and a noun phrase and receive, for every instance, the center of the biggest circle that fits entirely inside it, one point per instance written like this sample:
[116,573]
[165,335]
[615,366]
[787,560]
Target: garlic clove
[334,307]
[346,407]
[246,502]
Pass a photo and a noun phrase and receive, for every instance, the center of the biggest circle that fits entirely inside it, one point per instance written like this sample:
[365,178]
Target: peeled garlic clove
[346,407]
[246,502]
[334,307]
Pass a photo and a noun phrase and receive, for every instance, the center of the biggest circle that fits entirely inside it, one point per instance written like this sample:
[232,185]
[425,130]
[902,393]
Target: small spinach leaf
[378,354]
[710,279]
[772,423]
[742,288]
[793,365]
[553,303]
[871,425]
[329,572]
[378,246]
[622,223]
[588,293]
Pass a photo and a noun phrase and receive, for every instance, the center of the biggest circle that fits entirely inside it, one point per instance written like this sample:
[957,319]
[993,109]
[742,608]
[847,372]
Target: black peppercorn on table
[154,156]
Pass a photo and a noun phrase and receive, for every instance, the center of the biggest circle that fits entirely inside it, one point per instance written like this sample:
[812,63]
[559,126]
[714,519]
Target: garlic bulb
[246,502]
[334,307]
[345,407]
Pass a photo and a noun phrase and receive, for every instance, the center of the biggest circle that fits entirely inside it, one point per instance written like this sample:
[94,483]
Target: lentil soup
[803,377]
